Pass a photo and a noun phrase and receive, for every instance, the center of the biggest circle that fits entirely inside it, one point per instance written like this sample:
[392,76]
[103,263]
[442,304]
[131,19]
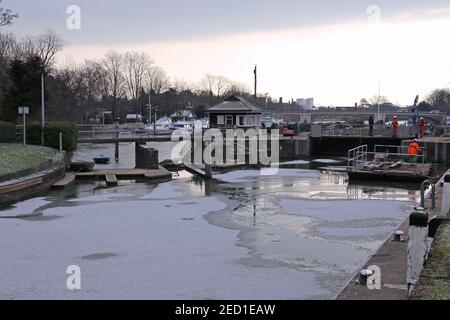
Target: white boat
[163,125]
[183,125]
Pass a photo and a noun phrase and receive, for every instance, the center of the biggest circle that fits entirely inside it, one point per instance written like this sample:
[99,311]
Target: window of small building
[229,120]
[221,120]
[250,121]
[241,121]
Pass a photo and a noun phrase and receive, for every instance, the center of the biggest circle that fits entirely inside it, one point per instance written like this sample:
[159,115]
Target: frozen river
[298,235]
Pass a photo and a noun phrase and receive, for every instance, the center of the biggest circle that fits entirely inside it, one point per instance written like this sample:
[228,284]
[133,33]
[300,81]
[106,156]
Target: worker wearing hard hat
[395,126]
[422,126]
[413,150]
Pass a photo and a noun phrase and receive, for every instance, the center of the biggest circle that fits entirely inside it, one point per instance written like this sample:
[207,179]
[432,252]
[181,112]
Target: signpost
[24,111]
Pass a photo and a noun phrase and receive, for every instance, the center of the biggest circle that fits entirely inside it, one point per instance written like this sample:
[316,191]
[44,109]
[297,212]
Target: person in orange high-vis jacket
[413,150]
[395,126]
[422,128]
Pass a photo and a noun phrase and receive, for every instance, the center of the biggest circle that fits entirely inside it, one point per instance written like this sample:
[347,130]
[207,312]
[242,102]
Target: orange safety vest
[395,124]
[413,148]
[422,124]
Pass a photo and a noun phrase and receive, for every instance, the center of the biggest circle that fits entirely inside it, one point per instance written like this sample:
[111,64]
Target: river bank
[27,171]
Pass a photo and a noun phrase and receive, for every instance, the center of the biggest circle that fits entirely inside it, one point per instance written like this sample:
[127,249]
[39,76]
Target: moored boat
[102,159]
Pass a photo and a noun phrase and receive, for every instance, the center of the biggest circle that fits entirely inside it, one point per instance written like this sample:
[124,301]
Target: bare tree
[215,85]
[45,46]
[113,64]
[8,45]
[94,86]
[179,85]
[439,98]
[157,79]
[222,84]
[207,84]
[6,16]
[135,69]
[237,88]
[378,100]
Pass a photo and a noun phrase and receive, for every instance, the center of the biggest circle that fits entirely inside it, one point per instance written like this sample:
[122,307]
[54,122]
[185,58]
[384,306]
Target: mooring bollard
[398,236]
[445,208]
[417,246]
[364,275]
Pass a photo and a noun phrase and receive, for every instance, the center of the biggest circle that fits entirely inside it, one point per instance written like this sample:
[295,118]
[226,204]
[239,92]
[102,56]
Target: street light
[154,123]
[42,107]
[150,107]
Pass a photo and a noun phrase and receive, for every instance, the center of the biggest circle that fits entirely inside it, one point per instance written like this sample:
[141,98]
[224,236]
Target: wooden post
[208,171]
[116,149]
[446,196]
[417,247]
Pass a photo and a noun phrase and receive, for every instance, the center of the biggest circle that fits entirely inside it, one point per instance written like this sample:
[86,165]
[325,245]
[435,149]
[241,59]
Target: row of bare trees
[118,82]
[120,79]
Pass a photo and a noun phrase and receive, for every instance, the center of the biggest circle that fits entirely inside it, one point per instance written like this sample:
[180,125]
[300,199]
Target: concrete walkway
[391,259]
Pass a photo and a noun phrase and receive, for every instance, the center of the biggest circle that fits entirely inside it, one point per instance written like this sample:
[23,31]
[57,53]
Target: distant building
[134,118]
[306,104]
[235,112]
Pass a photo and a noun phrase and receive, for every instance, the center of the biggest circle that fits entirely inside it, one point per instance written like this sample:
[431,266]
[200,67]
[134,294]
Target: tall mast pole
[256,81]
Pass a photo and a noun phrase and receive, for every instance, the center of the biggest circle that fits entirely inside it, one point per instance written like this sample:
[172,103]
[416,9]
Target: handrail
[398,153]
[360,154]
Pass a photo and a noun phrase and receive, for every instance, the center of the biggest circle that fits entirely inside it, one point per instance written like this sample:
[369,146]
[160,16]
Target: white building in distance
[306,104]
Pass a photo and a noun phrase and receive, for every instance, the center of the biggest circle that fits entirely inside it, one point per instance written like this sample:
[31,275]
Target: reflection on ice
[165,191]
[341,210]
[26,207]
[237,176]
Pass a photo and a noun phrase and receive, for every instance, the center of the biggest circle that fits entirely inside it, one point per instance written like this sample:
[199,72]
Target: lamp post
[378,101]
[154,123]
[42,107]
[150,108]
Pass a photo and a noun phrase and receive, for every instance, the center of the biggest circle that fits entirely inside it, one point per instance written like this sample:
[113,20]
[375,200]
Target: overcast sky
[325,49]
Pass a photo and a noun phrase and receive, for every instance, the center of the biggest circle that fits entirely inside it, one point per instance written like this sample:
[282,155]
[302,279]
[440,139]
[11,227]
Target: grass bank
[16,157]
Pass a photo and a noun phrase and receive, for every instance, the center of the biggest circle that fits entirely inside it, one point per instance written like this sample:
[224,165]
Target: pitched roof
[235,104]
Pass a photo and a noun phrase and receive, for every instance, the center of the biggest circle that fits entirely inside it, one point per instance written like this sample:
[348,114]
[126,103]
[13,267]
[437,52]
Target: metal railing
[401,152]
[110,132]
[383,157]
[357,156]
[358,131]
[378,130]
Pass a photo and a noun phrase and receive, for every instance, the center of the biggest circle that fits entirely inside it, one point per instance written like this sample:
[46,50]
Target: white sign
[24,110]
